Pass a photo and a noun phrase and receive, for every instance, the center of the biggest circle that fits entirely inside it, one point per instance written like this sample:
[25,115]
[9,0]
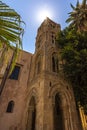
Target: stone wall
[15,90]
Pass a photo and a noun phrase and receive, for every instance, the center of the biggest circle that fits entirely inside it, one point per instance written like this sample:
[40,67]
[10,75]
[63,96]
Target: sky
[32,13]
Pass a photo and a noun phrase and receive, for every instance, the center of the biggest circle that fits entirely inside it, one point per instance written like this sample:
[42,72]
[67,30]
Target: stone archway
[31,120]
[60,100]
[66,106]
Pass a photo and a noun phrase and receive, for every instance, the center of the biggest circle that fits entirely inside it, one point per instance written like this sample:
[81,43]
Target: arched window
[53,38]
[38,65]
[54,62]
[10,107]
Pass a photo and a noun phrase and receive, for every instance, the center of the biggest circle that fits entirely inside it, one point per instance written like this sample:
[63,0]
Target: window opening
[54,63]
[50,84]
[15,73]
[10,107]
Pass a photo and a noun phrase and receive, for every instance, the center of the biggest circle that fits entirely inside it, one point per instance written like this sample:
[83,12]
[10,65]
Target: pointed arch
[33,93]
[54,62]
[38,63]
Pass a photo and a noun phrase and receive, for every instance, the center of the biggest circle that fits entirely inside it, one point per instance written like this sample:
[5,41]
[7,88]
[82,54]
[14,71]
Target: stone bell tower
[50,104]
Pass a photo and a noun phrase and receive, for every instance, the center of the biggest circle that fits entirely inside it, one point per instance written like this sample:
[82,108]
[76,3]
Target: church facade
[36,95]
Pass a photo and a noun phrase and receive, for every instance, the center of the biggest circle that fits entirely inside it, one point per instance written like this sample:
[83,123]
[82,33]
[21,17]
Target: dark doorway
[31,120]
[58,114]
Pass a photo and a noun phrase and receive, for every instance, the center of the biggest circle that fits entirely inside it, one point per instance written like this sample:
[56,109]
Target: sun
[43,14]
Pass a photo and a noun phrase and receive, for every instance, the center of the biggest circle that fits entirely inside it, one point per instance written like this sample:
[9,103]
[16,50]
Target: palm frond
[77,5]
[72,6]
[11,29]
[10,24]
[78,16]
[84,3]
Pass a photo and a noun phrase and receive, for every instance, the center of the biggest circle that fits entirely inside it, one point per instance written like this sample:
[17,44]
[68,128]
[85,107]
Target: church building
[36,96]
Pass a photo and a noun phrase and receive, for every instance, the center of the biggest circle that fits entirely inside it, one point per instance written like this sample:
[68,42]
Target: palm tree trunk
[6,74]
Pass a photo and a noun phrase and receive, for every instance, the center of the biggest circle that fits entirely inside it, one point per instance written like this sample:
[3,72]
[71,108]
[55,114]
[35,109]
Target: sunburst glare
[43,13]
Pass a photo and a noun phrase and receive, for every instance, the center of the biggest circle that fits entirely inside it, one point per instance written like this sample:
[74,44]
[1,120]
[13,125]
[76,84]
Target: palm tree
[11,30]
[11,33]
[78,17]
